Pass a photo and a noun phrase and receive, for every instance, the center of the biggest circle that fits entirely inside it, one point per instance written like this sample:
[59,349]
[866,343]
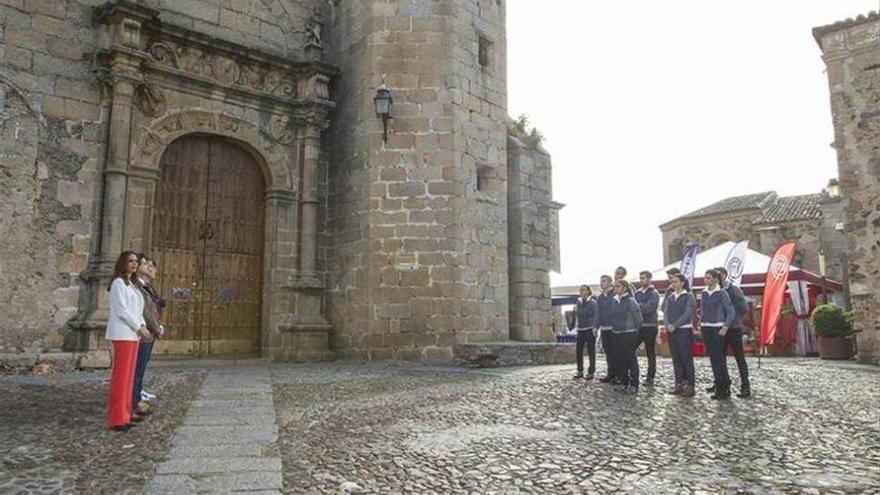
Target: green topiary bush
[830,321]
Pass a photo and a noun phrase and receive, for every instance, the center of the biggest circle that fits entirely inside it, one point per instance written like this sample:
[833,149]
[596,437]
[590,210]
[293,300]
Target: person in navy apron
[716,315]
[648,299]
[626,320]
[677,320]
[586,310]
[603,325]
[734,335]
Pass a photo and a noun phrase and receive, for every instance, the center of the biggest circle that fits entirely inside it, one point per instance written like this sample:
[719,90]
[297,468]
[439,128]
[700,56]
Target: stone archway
[165,83]
[207,237]
[273,153]
[717,239]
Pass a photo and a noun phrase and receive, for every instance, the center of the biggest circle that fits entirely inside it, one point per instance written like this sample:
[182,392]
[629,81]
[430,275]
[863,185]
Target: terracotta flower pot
[835,348]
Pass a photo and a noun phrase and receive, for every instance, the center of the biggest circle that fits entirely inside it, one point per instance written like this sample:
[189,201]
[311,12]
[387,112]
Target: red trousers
[121,382]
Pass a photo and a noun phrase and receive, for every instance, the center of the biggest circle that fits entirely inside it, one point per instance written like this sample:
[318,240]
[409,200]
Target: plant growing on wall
[519,127]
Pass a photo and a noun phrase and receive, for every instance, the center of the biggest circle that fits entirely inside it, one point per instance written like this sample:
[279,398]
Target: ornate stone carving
[223,69]
[149,100]
[282,130]
[314,28]
[151,145]
[316,86]
[165,53]
[228,123]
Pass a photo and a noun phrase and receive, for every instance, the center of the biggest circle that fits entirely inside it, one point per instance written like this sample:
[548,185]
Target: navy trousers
[143,358]
[715,349]
[627,363]
[586,337]
[681,342]
[648,335]
[608,343]
[733,338]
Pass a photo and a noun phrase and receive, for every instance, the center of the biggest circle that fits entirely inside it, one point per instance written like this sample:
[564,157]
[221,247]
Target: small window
[485,46]
[484,177]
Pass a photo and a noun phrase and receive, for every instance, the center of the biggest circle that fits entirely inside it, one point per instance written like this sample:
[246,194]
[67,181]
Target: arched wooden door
[207,240]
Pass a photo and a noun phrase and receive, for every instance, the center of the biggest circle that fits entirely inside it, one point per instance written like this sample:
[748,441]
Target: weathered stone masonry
[851,51]
[399,249]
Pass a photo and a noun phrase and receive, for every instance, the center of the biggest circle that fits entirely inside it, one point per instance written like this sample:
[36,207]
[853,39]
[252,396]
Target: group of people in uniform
[625,318]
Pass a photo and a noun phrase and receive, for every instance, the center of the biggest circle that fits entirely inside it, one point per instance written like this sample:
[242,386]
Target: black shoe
[711,389]
[744,393]
[620,389]
[649,382]
[589,376]
[122,427]
[615,381]
[578,376]
[722,394]
[137,418]
[606,379]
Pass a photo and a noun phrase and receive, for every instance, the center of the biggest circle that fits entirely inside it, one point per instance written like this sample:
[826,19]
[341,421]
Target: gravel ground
[810,427]
[54,439]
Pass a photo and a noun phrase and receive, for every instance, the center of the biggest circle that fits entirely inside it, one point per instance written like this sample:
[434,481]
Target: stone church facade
[851,51]
[238,145]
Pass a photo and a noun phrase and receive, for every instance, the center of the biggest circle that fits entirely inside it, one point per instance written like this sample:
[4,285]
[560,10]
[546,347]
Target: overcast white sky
[654,109]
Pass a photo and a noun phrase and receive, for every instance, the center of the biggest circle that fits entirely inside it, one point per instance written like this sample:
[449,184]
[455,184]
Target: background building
[766,219]
[851,51]
[237,142]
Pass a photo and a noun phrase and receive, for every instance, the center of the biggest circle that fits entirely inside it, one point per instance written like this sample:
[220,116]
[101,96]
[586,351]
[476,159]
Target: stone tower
[418,239]
[851,51]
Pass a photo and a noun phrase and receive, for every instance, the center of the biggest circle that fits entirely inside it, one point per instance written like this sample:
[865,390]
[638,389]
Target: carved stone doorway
[207,239]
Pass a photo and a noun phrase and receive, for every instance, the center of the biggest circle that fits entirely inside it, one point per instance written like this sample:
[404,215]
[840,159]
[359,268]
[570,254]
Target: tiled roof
[736,203]
[786,209]
[821,30]
[771,208]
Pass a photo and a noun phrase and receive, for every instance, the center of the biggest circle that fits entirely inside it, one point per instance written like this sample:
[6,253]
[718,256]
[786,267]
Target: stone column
[306,335]
[309,227]
[123,75]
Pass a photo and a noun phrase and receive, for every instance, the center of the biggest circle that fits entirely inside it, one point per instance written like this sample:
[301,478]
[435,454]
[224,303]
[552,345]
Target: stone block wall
[532,242]
[833,243]
[418,259]
[708,231]
[479,119]
[52,143]
[851,51]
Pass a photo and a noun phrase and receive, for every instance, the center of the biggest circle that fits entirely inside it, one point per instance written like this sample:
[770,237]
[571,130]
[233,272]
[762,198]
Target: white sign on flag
[736,262]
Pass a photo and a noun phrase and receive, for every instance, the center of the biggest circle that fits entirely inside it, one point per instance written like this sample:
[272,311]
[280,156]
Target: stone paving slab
[227,451]
[227,442]
[215,483]
[220,465]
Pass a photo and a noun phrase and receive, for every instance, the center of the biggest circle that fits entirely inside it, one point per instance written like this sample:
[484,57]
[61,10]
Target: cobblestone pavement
[810,427]
[53,436]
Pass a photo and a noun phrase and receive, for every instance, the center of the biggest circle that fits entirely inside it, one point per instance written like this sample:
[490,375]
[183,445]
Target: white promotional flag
[736,262]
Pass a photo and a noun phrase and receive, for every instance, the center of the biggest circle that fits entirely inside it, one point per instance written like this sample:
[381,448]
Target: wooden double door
[207,240]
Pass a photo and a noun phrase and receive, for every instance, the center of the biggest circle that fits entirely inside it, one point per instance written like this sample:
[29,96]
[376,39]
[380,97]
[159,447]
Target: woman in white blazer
[125,328]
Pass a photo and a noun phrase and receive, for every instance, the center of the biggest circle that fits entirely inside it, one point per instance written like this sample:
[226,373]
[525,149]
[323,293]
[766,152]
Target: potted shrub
[835,330]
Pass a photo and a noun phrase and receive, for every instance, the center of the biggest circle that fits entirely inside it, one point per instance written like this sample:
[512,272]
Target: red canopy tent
[752,284]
